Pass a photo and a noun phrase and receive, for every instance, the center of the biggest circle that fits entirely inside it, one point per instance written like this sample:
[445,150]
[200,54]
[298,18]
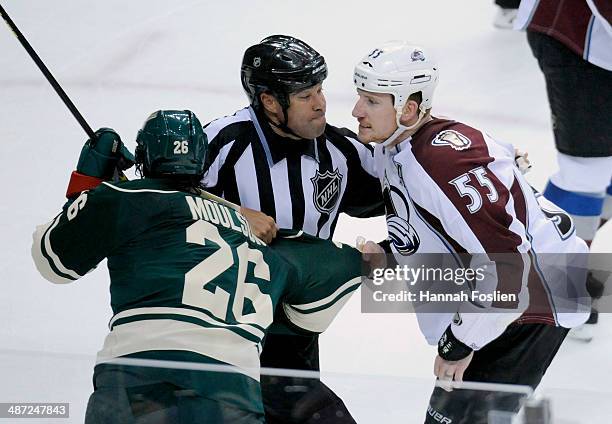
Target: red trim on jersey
[80,182]
[566,21]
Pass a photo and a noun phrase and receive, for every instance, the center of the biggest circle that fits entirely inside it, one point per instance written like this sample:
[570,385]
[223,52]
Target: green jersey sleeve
[77,239]
[327,274]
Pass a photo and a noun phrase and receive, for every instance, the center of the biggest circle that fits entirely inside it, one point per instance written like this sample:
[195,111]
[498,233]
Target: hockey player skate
[585,331]
[504,18]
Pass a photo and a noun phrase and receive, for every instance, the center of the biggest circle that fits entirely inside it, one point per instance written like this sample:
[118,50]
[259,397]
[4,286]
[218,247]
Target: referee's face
[306,113]
[376,116]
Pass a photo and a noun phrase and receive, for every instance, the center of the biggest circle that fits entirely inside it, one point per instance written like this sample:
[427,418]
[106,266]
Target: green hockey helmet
[171,144]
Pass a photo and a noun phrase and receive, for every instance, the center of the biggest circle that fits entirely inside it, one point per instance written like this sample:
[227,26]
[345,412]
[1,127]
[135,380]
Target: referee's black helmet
[280,65]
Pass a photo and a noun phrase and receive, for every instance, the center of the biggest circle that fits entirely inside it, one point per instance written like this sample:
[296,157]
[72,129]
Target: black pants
[579,97]
[132,395]
[298,400]
[520,355]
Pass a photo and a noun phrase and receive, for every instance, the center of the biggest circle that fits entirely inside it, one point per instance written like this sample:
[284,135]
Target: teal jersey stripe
[206,312]
[328,304]
[184,318]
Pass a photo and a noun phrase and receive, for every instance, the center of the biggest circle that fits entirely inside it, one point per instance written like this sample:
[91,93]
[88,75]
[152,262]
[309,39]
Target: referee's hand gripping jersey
[189,280]
[280,157]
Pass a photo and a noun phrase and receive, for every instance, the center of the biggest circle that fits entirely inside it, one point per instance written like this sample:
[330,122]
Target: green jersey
[188,277]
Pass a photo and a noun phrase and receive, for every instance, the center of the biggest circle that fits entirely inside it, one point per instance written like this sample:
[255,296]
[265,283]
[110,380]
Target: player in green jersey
[189,280]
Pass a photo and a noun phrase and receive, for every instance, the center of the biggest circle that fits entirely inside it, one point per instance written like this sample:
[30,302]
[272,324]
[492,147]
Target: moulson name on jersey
[218,214]
[427,296]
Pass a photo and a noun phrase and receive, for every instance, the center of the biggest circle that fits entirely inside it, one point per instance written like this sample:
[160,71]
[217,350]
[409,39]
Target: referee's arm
[363,197]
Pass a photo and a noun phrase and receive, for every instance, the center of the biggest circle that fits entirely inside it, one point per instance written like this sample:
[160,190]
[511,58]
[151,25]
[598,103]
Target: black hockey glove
[452,349]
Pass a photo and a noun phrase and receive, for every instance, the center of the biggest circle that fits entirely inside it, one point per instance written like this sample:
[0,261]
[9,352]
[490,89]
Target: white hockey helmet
[400,69]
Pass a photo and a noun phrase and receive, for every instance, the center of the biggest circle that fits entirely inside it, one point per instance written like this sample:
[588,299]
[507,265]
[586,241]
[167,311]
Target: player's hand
[371,253]
[262,225]
[522,161]
[448,371]
[102,156]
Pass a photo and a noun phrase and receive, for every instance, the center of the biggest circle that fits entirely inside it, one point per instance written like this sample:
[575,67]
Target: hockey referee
[288,168]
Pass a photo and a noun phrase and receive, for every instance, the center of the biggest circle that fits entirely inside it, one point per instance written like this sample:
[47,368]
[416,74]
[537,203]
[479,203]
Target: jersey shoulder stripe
[238,329]
[46,260]
[225,127]
[316,316]
[330,299]
[137,190]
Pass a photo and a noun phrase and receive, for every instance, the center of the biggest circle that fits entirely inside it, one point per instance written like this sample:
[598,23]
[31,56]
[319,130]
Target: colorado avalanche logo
[326,190]
[452,138]
[402,235]
[417,55]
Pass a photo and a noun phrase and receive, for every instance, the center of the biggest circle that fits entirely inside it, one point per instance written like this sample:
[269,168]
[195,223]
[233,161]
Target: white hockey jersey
[453,189]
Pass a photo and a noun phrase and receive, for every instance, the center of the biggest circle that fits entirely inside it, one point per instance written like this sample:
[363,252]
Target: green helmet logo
[171,144]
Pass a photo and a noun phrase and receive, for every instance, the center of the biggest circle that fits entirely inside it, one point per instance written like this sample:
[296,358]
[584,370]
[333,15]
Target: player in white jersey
[451,188]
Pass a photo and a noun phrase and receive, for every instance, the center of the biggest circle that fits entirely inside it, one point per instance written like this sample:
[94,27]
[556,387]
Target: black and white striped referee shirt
[303,185]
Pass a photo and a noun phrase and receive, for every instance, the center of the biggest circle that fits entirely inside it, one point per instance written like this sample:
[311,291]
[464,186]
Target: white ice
[121,60]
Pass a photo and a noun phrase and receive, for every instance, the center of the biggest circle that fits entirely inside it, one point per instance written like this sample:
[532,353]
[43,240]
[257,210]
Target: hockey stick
[206,195]
[71,107]
[58,89]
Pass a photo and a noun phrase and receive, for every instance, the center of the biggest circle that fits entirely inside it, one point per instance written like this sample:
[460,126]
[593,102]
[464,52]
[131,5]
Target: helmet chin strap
[283,124]
[402,128]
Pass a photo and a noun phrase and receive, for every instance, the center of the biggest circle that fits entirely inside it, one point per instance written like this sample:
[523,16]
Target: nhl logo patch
[326,190]
[452,138]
